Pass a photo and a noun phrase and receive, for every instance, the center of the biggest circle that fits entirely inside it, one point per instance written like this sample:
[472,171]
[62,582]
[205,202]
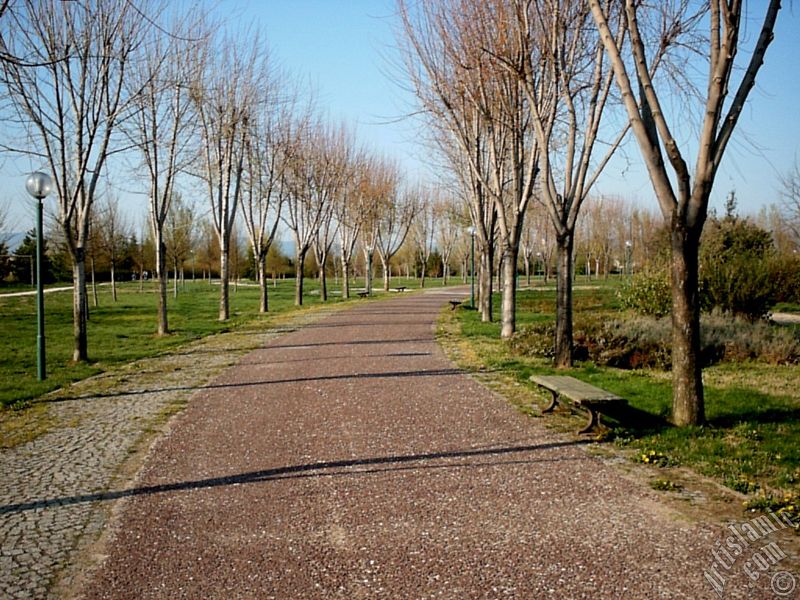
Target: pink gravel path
[350,459]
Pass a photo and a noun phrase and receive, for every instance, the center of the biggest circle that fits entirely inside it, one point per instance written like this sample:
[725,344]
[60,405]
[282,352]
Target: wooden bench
[400,288]
[454,304]
[580,393]
[363,294]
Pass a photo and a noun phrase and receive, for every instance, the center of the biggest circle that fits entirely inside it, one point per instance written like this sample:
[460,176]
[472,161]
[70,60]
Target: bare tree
[349,206]
[227,93]
[566,82]
[683,195]
[326,235]
[179,236]
[398,212]
[314,175]
[162,129]
[790,196]
[70,108]
[451,224]
[269,151]
[109,234]
[377,182]
[423,230]
[436,72]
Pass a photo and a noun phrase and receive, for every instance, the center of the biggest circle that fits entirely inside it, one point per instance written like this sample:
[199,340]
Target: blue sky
[340,47]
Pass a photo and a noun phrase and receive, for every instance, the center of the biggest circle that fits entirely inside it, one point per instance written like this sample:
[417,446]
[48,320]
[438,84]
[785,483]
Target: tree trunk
[263,299]
[509,303]
[323,280]
[224,297]
[80,351]
[113,282]
[687,394]
[387,275]
[564,301]
[161,274]
[485,279]
[345,278]
[300,260]
[422,272]
[368,274]
[175,278]
[94,285]
[528,270]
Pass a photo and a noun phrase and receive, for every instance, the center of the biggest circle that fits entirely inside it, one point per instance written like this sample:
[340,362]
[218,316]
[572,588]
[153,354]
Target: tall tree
[451,224]
[110,232]
[349,208]
[267,162]
[227,92]
[162,128]
[313,179]
[566,81]
[179,236]
[683,194]
[423,231]
[69,105]
[398,210]
[433,64]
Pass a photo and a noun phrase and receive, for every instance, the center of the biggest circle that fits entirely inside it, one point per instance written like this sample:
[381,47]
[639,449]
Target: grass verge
[750,443]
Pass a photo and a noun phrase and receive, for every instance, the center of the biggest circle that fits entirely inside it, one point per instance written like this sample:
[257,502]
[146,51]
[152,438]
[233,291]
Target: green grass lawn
[123,331]
[751,442]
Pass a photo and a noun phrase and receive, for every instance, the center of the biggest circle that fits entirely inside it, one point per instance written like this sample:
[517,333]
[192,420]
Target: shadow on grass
[636,421]
[730,408]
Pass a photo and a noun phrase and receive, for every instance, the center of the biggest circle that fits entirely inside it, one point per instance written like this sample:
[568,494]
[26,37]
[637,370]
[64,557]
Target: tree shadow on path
[318,469]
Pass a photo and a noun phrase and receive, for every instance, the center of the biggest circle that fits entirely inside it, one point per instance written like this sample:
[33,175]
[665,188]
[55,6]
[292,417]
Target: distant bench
[400,288]
[363,294]
[588,397]
[454,304]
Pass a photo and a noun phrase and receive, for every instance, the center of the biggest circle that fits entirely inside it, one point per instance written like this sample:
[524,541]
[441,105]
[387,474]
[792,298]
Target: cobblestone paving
[53,487]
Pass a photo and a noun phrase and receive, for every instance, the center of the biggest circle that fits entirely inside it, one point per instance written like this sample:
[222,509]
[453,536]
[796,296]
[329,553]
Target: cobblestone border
[54,499]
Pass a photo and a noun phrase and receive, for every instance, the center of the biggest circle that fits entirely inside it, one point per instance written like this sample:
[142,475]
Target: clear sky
[341,48]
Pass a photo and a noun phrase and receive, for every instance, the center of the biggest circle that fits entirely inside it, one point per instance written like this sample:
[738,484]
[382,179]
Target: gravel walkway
[350,459]
[52,492]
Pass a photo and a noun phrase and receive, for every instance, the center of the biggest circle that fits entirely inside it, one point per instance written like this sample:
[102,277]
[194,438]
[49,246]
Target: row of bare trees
[529,100]
[189,109]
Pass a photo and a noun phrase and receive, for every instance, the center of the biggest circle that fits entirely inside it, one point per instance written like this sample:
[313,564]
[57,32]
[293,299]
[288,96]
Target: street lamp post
[472,269]
[39,185]
[628,251]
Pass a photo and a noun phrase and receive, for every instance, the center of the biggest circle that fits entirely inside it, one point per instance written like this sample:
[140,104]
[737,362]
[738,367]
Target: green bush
[738,268]
[647,293]
[786,273]
[535,340]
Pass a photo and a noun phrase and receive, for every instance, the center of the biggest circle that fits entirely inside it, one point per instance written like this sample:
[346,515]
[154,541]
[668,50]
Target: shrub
[738,268]
[741,339]
[786,273]
[535,340]
[646,342]
[647,293]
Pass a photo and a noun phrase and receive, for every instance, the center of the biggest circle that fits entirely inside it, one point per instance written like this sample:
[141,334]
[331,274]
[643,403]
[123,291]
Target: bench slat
[576,390]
